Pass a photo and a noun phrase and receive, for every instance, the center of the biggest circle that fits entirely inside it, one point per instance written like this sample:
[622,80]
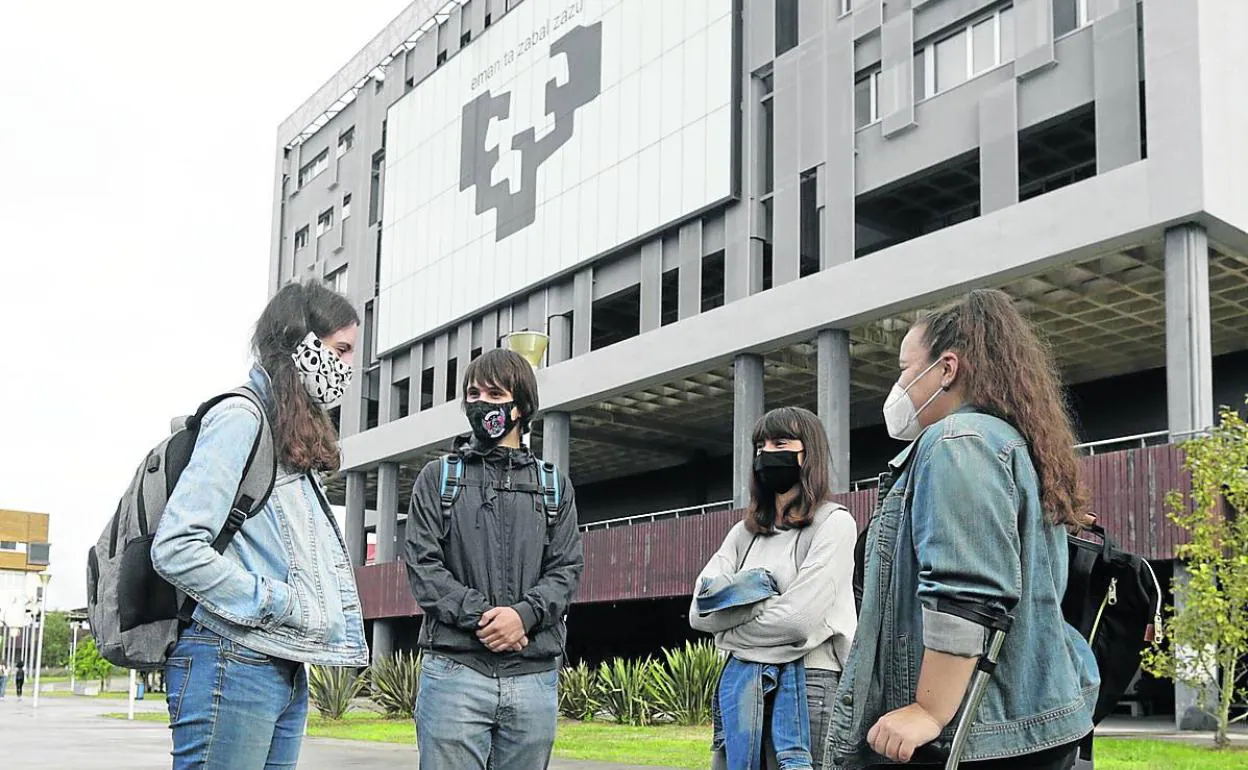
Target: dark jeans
[1056,758]
[820,691]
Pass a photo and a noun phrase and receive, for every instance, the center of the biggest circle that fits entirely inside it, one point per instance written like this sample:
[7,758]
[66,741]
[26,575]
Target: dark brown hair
[303,435]
[1007,371]
[507,370]
[791,422]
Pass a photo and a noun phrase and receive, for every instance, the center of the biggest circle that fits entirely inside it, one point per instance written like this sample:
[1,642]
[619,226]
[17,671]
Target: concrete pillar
[560,347]
[383,639]
[1189,351]
[356,540]
[387,511]
[833,367]
[747,407]
[1187,714]
[556,439]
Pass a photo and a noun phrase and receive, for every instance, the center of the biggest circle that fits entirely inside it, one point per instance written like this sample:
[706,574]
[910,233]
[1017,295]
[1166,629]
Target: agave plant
[683,686]
[395,682]
[331,689]
[626,690]
[579,692]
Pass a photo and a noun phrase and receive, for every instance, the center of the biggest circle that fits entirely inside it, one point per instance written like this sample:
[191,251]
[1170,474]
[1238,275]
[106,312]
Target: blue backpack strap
[452,477]
[551,489]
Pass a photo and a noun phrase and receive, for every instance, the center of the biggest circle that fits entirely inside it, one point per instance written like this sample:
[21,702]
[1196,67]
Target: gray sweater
[813,617]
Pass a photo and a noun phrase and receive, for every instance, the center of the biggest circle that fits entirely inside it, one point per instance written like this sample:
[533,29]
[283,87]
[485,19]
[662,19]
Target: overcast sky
[135,201]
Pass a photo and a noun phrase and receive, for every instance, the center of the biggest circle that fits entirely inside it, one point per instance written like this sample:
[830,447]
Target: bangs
[775,425]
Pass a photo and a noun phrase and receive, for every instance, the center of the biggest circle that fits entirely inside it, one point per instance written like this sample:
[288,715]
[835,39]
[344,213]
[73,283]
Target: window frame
[325,222]
[302,237]
[967,29]
[314,168]
[873,94]
[1083,17]
[346,138]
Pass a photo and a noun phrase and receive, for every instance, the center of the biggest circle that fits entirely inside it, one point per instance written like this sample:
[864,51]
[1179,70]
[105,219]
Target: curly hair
[1009,372]
[304,436]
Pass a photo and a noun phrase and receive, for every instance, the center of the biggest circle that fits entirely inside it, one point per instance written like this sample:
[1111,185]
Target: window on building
[984,44]
[1070,15]
[374,188]
[301,238]
[808,222]
[786,25]
[346,140]
[8,545]
[313,168]
[337,281]
[325,222]
[441,58]
[465,39]
[867,100]
[767,130]
[346,207]
[489,19]
[847,7]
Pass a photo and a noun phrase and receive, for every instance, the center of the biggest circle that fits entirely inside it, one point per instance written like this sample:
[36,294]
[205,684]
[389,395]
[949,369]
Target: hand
[898,733]
[501,629]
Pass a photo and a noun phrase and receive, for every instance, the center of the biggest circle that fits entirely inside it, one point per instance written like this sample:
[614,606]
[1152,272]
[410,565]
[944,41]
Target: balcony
[659,555]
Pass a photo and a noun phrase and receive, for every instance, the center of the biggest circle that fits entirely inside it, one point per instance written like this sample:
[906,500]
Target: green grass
[688,747]
[151,696]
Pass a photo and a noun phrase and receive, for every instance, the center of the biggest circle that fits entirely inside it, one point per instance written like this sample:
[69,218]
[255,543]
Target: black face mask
[490,422]
[777,472]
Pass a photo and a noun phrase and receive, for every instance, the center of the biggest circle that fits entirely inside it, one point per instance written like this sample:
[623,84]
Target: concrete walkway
[69,732]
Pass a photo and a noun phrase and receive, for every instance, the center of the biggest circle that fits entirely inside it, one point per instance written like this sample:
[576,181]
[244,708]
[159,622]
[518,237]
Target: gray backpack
[135,614]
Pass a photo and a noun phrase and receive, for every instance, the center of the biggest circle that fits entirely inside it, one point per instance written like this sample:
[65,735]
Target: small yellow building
[23,541]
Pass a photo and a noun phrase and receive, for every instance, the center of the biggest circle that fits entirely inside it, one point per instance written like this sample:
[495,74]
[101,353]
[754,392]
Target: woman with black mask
[778,598]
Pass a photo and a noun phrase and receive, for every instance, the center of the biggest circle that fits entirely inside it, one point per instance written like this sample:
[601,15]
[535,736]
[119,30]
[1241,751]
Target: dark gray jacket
[493,548]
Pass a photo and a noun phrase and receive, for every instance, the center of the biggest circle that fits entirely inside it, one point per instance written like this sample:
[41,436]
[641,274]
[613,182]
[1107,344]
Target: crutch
[998,623]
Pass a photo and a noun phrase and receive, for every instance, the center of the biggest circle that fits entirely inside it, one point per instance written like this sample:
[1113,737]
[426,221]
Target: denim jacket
[964,522]
[284,586]
[740,717]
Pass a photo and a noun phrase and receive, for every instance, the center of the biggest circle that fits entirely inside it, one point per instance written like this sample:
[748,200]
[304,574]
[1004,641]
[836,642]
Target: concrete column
[354,534]
[556,439]
[1189,351]
[747,407]
[387,511]
[383,639]
[833,369]
[560,348]
[1187,714]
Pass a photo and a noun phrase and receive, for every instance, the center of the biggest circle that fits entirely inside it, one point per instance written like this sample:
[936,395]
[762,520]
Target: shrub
[580,694]
[625,690]
[683,687]
[331,689]
[395,682]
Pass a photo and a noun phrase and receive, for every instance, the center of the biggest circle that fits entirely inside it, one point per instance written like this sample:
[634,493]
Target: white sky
[135,202]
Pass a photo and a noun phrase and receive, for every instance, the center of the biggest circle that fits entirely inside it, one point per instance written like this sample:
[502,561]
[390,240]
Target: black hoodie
[492,548]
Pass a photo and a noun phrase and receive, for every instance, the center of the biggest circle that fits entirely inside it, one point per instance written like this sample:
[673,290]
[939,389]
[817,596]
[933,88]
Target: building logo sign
[517,209]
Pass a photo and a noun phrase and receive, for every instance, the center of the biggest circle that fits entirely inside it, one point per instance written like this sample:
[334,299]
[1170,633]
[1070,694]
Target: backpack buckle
[235,520]
[449,490]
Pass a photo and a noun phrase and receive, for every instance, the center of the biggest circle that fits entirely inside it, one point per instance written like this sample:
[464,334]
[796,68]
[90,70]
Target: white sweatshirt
[814,615]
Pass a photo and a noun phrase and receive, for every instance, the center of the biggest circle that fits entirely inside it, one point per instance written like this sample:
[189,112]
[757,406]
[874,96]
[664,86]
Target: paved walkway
[71,733]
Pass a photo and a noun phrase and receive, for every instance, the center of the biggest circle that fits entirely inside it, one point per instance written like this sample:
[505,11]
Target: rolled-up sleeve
[965,520]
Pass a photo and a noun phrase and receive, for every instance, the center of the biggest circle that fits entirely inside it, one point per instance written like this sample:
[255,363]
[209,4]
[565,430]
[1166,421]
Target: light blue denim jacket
[284,586]
[963,522]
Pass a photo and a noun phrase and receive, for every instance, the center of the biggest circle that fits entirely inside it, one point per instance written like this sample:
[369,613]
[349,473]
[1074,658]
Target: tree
[89,664]
[56,641]
[1208,634]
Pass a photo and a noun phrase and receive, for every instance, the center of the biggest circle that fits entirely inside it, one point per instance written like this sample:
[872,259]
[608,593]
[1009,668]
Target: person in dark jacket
[494,565]
[19,678]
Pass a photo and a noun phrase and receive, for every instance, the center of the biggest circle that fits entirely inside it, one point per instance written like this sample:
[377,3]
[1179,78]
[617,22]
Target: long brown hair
[303,435]
[791,422]
[1008,372]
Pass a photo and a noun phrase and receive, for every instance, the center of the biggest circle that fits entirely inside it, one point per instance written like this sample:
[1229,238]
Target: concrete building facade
[1083,155]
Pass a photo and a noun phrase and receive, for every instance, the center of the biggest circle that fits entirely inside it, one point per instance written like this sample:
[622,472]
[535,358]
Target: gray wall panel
[1117,81]
[617,275]
[868,17]
[689,297]
[423,58]
[582,311]
[811,104]
[441,356]
[476,17]
[897,75]
[651,286]
[416,368]
[836,177]
[760,43]
[998,147]
[786,208]
[1033,36]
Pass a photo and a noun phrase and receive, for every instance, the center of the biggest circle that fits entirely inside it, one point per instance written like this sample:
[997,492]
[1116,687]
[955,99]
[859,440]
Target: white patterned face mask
[323,372]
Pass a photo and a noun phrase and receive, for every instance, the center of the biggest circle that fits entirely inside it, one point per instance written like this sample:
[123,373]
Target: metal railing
[675,513]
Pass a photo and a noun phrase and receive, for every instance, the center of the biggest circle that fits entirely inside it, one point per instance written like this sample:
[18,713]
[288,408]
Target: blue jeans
[4,682]
[760,704]
[231,708]
[469,721]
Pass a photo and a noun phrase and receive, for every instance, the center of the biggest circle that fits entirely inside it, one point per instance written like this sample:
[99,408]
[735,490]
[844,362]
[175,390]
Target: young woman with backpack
[283,592]
[778,598]
[973,527]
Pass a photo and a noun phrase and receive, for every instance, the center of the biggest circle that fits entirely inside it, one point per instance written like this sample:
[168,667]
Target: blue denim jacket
[963,521]
[739,718]
[745,588]
[284,587]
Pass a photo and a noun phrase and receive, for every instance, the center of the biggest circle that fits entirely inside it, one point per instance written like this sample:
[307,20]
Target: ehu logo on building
[582,45]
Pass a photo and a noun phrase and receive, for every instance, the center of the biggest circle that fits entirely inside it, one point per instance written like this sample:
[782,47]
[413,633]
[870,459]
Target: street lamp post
[44,579]
[73,655]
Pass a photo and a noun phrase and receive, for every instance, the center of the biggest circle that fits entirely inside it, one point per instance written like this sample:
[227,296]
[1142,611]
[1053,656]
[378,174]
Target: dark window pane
[862,102]
[768,148]
[786,25]
[920,74]
[1065,16]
